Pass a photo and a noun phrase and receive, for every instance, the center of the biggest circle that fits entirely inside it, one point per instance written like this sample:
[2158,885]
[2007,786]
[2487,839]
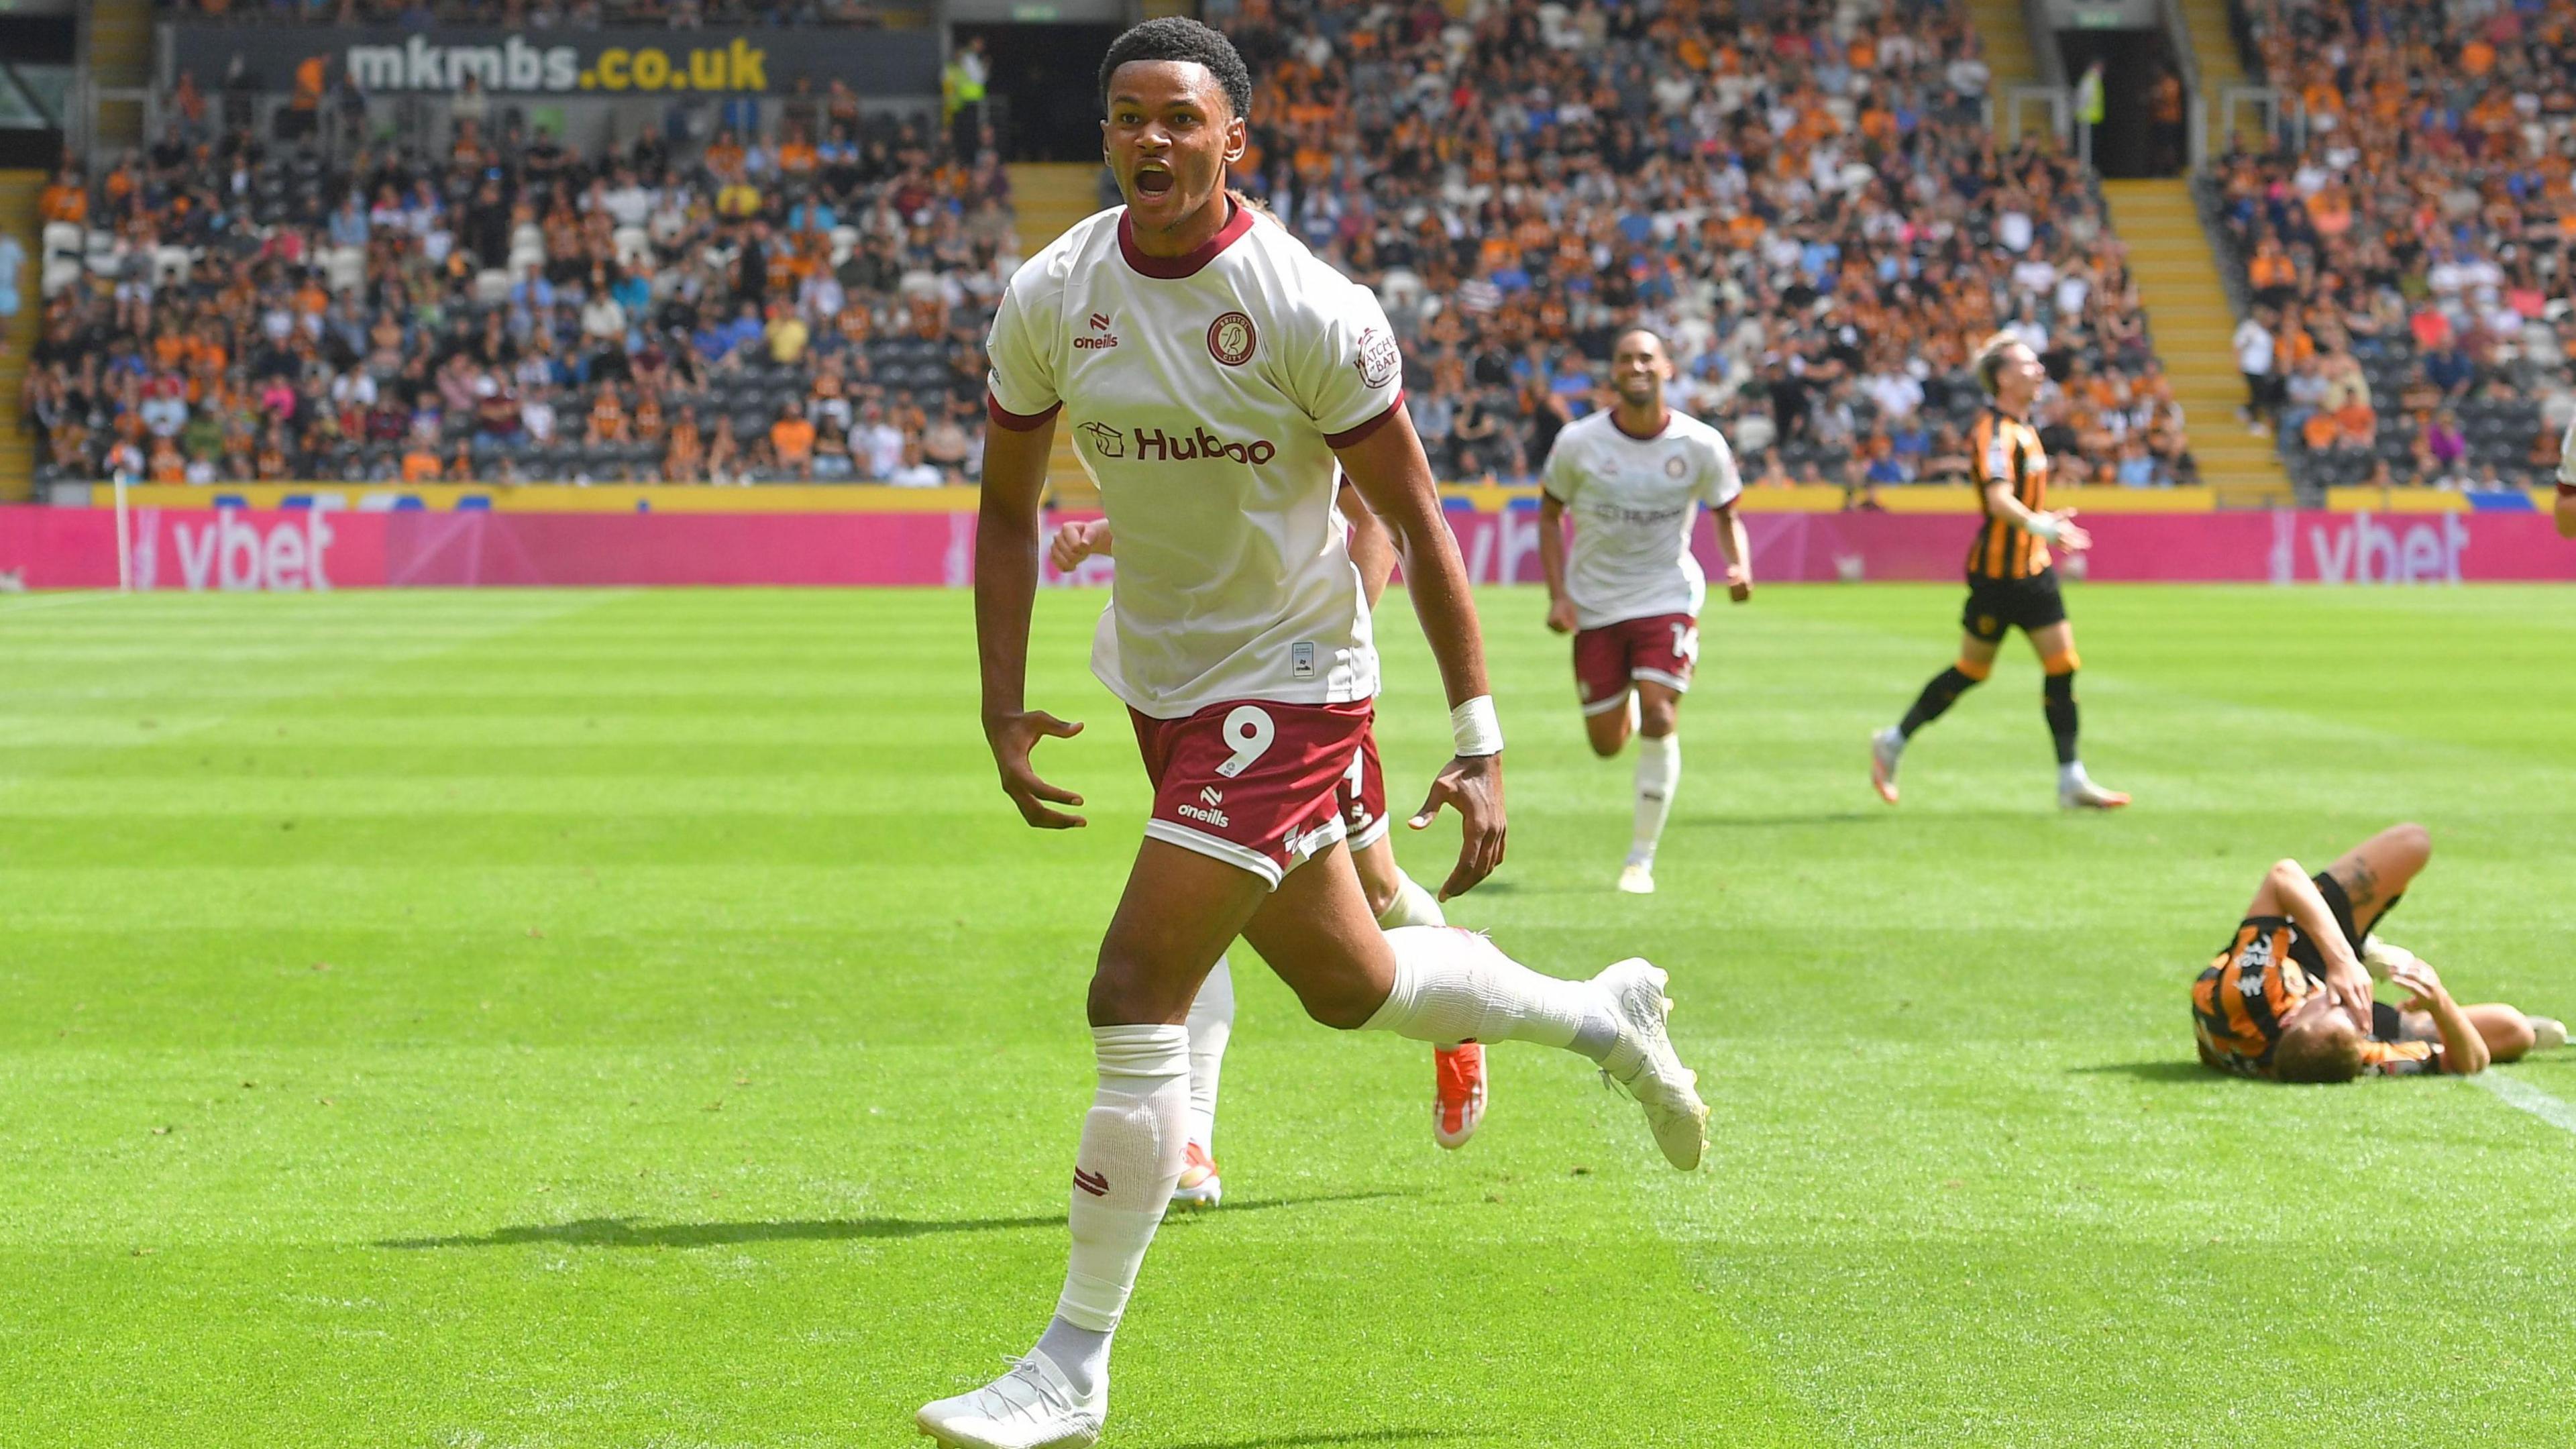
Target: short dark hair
[1177,37]
[1640,329]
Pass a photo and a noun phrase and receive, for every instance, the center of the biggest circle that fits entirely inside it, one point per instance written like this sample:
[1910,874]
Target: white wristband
[1474,729]
[2045,527]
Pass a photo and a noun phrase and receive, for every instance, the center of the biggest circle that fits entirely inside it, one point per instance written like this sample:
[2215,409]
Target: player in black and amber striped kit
[2011,582]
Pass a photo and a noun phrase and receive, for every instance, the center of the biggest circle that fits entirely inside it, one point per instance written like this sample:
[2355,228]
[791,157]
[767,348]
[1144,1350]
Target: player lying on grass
[1457,1068]
[2289,998]
[1225,372]
[1634,476]
[2012,582]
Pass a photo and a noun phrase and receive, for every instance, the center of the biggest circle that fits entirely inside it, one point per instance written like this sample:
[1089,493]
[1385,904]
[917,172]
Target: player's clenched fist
[1473,786]
[1078,541]
[1560,615]
[1013,737]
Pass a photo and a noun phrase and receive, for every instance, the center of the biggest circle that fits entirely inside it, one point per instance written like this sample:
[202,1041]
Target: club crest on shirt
[1379,359]
[1231,339]
[1674,467]
[1107,441]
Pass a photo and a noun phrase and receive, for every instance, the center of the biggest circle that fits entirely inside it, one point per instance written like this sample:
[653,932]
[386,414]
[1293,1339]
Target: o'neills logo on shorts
[1156,446]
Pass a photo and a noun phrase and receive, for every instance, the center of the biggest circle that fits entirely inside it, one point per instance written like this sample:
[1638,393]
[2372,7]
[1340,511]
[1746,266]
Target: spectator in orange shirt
[792,439]
[66,200]
[420,462]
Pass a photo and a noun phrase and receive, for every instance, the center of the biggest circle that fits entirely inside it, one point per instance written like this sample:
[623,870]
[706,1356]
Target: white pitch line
[2525,1097]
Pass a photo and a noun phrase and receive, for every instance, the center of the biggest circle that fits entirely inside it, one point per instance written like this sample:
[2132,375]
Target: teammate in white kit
[1458,1086]
[1634,477]
[1213,374]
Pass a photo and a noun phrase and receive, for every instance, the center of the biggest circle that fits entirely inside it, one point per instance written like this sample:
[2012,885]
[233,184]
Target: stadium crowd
[766,309]
[1804,195]
[540,14]
[2408,260]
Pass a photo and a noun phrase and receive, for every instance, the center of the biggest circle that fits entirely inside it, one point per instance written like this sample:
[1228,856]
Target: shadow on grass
[1348,1437]
[628,1233]
[2166,1071]
[1779,822]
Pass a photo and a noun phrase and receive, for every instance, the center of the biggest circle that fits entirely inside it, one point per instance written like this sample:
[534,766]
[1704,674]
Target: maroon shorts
[1660,647]
[1259,784]
[1363,795]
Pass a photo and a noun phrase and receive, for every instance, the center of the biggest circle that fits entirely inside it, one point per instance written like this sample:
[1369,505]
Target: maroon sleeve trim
[1366,430]
[1017,422]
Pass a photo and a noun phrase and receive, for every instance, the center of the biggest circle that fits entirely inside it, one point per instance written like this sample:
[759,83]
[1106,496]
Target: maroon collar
[1660,428]
[1172,269]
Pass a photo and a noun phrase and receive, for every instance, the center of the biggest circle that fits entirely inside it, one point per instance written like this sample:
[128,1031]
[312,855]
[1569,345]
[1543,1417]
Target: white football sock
[1123,1177]
[1659,772]
[1412,906]
[1211,1025]
[2071,776]
[1457,986]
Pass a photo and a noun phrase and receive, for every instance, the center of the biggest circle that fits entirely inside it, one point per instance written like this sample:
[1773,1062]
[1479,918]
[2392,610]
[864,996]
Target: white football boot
[2383,959]
[1637,879]
[2085,795]
[1031,1407]
[1643,1064]
[1199,1187]
[1885,748]
[2548,1033]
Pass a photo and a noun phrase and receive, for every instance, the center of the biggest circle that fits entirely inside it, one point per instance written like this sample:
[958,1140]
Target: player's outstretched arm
[1394,480]
[1551,562]
[1006,586]
[2346,981]
[2058,528]
[1737,550]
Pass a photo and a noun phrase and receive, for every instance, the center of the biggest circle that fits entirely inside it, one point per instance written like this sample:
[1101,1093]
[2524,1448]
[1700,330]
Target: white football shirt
[1633,501]
[1205,395]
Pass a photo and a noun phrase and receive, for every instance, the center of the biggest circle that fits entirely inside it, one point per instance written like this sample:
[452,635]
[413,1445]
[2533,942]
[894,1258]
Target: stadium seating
[2407,238]
[1806,197]
[270,315]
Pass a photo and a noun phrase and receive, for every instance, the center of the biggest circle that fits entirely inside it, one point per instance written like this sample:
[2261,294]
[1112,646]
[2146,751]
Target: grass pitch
[624,1019]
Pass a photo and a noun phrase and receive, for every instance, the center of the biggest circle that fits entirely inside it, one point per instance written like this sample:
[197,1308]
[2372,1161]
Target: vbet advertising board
[295,549]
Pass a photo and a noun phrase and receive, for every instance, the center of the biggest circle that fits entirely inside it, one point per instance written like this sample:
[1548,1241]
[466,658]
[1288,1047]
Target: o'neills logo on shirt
[1100,336]
[1153,445]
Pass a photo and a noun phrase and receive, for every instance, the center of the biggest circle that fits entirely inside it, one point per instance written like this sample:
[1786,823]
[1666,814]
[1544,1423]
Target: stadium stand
[1806,197]
[218,309]
[544,13]
[2404,244]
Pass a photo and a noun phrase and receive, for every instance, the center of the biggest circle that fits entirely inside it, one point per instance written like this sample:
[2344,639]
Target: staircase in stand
[2176,266]
[120,58]
[2006,33]
[18,191]
[1048,198]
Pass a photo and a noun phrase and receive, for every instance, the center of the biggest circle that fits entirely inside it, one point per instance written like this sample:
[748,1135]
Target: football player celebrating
[1634,477]
[1215,373]
[1457,1068]
[2012,584]
[2289,997]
